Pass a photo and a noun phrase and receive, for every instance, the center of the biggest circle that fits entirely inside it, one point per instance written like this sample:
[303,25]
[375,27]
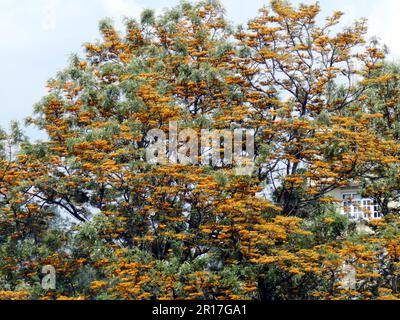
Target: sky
[38,36]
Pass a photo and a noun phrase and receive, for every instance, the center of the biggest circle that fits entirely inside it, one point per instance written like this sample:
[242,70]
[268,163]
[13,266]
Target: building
[354,205]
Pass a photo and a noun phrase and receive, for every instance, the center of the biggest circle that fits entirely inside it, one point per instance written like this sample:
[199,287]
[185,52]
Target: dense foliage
[324,109]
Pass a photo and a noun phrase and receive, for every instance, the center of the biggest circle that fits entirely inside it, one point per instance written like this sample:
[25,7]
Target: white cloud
[13,31]
[239,13]
[384,23]
[122,8]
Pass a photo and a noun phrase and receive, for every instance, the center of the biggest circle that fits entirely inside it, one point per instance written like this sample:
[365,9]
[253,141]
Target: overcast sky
[38,36]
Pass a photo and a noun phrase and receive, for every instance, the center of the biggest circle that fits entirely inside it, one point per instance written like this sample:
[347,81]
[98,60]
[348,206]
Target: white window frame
[358,208]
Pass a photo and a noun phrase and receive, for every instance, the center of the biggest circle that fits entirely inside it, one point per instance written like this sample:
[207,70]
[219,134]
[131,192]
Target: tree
[382,98]
[191,231]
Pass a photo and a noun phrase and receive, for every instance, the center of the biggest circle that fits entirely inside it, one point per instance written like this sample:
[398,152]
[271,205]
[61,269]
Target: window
[357,207]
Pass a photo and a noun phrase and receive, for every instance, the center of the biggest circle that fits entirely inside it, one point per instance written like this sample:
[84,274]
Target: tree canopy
[323,106]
